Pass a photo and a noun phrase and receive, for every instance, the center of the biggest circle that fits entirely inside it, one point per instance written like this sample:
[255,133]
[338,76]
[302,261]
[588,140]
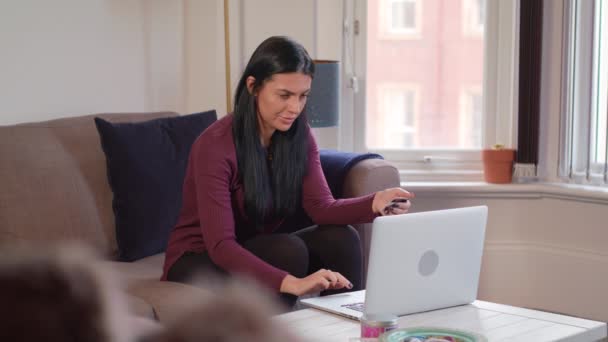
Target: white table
[497,322]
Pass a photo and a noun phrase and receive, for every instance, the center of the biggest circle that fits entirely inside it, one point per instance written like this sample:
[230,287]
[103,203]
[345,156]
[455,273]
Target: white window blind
[583,144]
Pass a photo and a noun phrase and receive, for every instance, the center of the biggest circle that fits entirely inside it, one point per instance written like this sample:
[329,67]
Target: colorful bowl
[431,334]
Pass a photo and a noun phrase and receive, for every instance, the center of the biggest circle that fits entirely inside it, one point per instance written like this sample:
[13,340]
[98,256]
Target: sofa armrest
[365,177]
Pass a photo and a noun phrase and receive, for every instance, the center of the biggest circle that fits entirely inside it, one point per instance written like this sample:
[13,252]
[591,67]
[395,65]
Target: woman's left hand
[393,201]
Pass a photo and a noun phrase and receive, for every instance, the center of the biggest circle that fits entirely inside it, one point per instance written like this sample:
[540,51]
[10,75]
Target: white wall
[162,34]
[205,56]
[69,57]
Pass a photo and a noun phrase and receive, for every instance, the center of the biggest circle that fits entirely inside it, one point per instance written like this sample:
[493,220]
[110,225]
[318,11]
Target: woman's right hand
[392,201]
[319,281]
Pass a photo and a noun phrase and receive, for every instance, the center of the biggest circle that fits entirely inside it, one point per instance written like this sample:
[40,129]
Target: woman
[250,170]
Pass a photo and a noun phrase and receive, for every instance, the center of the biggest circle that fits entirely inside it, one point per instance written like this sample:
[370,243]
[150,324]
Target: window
[398,19]
[584,118]
[449,82]
[473,14]
[442,62]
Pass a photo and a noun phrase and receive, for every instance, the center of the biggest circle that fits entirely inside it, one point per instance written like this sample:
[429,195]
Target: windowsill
[564,191]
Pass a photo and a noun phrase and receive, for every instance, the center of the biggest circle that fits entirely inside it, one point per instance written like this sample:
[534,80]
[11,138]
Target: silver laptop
[418,262]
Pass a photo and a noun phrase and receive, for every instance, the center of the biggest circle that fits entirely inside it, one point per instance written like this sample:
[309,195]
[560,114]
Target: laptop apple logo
[428,263]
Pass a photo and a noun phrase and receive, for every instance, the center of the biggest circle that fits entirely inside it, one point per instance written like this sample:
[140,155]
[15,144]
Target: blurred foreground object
[57,294]
[240,310]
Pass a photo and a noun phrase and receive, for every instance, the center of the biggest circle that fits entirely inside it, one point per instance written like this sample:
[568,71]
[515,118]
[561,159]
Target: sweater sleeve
[212,175]
[319,203]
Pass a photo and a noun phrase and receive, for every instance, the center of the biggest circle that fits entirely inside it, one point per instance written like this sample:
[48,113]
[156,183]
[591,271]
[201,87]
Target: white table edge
[592,330]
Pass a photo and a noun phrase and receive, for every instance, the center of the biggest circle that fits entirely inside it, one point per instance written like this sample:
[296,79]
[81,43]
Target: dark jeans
[300,253]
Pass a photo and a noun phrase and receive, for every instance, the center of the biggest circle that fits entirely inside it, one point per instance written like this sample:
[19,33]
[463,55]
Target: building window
[399,19]
[473,17]
[584,125]
[396,129]
[471,118]
[402,15]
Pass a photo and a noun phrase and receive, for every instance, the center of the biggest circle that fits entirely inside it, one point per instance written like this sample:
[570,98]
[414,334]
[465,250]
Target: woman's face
[280,100]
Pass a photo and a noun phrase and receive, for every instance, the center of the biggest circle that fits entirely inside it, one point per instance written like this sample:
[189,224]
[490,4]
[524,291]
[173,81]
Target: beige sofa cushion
[149,268]
[145,270]
[169,299]
[140,308]
[54,183]
[162,300]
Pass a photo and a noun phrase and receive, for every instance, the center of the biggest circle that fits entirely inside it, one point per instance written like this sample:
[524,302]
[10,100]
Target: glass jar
[374,325]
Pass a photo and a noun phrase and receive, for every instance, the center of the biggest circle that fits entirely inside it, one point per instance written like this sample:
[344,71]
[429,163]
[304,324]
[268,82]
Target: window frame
[500,97]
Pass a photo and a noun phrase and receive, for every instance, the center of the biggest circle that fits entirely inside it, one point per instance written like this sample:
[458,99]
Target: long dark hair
[273,188]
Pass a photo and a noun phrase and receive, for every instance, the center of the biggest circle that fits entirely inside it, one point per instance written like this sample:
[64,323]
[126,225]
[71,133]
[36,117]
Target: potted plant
[498,164]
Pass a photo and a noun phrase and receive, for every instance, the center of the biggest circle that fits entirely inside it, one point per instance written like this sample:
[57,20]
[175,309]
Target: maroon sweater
[212,217]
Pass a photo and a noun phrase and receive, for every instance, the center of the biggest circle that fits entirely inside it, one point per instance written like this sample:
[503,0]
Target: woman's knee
[292,248]
[342,235]
[283,251]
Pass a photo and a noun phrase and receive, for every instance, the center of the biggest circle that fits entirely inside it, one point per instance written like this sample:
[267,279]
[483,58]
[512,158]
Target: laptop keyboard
[354,306]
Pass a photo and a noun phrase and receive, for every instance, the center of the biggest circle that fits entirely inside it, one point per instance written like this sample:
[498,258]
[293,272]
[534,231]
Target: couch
[54,187]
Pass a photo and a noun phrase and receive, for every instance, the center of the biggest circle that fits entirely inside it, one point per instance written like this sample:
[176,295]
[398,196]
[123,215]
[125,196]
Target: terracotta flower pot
[498,165]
